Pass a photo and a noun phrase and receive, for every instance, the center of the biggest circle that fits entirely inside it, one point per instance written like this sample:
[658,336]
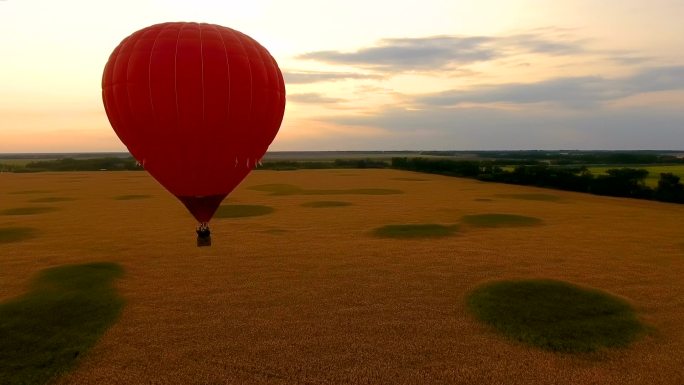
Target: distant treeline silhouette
[70,164]
[570,157]
[620,182]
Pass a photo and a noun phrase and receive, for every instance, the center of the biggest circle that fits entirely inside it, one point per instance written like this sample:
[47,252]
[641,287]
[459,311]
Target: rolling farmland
[300,286]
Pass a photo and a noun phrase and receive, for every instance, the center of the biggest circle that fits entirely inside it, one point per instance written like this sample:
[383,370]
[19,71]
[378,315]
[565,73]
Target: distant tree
[625,182]
[670,189]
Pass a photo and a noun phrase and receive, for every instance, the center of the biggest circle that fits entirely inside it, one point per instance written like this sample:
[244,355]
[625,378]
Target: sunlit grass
[132,197]
[321,204]
[555,315]
[287,189]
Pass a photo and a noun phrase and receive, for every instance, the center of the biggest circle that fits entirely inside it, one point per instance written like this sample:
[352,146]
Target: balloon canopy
[196,104]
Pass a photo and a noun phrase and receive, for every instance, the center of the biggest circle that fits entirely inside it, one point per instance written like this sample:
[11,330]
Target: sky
[378,75]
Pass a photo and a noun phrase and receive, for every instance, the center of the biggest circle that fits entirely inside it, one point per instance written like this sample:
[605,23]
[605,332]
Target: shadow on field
[16,234]
[555,315]
[241,211]
[51,199]
[532,197]
[409,231]
[28,210]
[500,220]
[67,309]
[432,230]
[29,192]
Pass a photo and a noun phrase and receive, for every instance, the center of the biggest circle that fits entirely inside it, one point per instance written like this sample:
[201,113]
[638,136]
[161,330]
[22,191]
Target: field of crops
[312,290]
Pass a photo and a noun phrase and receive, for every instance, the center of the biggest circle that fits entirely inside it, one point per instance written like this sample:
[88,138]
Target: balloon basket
[203,241]
[203,235]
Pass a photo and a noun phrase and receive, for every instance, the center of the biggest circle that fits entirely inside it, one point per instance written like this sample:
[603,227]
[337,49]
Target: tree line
[620,182]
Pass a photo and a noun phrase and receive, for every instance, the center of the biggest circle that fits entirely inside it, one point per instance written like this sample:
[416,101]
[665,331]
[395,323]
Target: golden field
[307,295]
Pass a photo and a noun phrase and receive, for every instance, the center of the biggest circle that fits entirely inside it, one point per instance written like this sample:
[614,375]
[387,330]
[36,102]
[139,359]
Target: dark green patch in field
[45,331]
[500,220]
[241,211]
[131,197]
[28,210]
[532,197]
[319,204]
[16,234]
[555,315]
[411,179]
[428,230]
[275,231]
[30,192]
[51,199]
[288,189]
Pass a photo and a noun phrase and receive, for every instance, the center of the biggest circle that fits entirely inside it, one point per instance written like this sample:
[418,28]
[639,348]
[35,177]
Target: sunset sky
[378,75]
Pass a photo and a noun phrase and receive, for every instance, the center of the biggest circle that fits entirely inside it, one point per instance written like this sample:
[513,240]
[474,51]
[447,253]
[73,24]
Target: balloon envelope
[196,104]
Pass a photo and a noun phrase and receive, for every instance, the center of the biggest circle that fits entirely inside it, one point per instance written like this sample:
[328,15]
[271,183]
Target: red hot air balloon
[197,105]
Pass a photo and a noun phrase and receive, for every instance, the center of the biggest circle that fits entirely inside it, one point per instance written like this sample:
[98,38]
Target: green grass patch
[320,204]
[241,211]
[555,315]
[45,331]
[500,220]
[28,210]
[409,231]
[288,189]
[16,234]
[51,199]
[532,197]
[131,197]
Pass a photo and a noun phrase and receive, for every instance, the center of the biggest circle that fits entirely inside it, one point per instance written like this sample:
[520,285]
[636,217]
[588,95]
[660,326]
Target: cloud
[304,77]
[446,51]
[312,98]
[488,128]
[574,92]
